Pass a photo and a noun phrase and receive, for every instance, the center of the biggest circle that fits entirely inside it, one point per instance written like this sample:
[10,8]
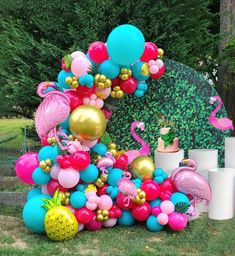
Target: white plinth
[206,159]
[168,161]
[222,181]
[229,152]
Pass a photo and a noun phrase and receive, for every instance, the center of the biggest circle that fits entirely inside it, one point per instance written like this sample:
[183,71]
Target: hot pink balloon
[105,203]
[69,177]
[98,52]
[80,66]
[25,165]
[162,218]
[55,169]
[177,221]
[156,210]
[110,223]
[94,225]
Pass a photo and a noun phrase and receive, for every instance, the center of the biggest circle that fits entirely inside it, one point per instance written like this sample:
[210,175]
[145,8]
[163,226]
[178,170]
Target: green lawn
[202,237]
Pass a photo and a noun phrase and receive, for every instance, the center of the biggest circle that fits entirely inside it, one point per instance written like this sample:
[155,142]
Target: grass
[202,237]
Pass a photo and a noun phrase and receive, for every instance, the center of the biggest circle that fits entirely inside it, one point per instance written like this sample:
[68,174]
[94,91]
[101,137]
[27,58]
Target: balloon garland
[86,182]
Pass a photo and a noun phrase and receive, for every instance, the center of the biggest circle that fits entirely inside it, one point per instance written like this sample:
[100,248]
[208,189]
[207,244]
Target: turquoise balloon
[179,197]
[114,176]
[142,86]
[65,124]
[90,174]
[78,199]
[100,149]
[153,225]
[137,73]
[139,93]
[155,202]
[48,152]
[126,219]
[40,177]
[34,214]
[125,44]
[34,192]
[109,69]
[62,77]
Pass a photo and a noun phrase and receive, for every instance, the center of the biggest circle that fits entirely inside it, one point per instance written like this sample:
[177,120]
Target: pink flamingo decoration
[144,151]
[105,162]
[188,181]
[221,123]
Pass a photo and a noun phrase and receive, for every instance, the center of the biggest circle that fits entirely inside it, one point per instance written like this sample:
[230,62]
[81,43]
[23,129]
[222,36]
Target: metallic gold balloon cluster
[102,81]
[52,141]
[102,215]
[117,92]
[140,197]
[100,181]
[72,82]
[125,73]
[65,198]
[46,165]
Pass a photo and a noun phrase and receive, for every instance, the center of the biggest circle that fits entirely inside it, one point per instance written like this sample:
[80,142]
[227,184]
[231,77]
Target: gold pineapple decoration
[60,223]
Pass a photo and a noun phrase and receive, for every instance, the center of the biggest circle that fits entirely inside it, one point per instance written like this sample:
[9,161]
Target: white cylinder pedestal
[221,181]
[206,159]
[229,158]
[168,161]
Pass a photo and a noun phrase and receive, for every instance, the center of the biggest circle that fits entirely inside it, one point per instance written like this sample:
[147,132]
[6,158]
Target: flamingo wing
[225,123]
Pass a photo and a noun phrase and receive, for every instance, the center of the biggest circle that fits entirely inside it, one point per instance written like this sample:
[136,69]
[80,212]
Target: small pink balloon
[151,63]
[167,207]
[68,178]
[44,189]
[92,102]
[80,66]
[162,218]
[80,227]
[92,199]
[91,206]
[86,101]
[159,63]
[177,221]
[55,169]
[25,165]
[71,208]
[154,69]
[93,96]
[99,103]
[105,203]
[94,225]
[110,223]
[156,210]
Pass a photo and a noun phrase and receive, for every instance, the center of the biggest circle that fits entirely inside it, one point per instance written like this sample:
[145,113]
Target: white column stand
[229,158]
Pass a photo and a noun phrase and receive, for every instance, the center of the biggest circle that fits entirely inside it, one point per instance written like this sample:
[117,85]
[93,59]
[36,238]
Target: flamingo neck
[217,108]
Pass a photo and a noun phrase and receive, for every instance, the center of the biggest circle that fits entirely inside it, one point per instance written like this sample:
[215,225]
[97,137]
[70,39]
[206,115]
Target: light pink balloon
[159,63]
[93,96]
[167,207]
[162,218]
[151,63]
[80,66]
[77,54]
[55,169]
[44,189]
[99,103]
[86,101]
[68,178]
[91,206]
[154,69]
[80,227]
[93,102]
[105,203]
[110,223]
[89,144]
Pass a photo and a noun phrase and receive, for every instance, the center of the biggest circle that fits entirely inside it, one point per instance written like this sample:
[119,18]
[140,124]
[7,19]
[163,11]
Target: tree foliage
[36,34]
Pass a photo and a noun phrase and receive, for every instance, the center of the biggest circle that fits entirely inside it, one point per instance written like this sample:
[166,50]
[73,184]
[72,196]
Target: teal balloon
[34,192]
[65,124]
[139,93]
[153,225]
[125,44]
[114,176]
[81,187]
[100,149]
[40,177]
[155,202]
[62,77]
[126,219]
[142,86]
[78,199]
[109,69]
[179,197]
[48,152]
[34,214]
[90,174]
[137,73]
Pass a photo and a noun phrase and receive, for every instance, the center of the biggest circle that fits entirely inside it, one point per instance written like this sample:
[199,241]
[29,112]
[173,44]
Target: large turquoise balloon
[78,199]
[34,192]
[126,219]
[114,176]
[48,152]
[125,44]
[34,214]
[90,174]
[40,177]
[109,69]
[179,197]
[153,225]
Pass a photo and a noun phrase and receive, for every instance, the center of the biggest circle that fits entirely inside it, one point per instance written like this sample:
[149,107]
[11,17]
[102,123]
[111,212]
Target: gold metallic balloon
[160,52]
[87,122]
[142,167]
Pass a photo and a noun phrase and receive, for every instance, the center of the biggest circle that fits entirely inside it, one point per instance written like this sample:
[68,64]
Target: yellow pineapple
[60,223]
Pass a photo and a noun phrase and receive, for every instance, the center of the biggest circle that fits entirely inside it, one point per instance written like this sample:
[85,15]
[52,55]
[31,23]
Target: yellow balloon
[142,167]
[87,122]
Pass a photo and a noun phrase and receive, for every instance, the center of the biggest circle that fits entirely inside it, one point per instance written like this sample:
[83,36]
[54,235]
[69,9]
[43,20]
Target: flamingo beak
[212,100]
[142,126]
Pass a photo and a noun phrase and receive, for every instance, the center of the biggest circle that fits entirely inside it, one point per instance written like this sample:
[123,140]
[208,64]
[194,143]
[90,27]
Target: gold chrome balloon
[160,52]
[87,122]
[142,167]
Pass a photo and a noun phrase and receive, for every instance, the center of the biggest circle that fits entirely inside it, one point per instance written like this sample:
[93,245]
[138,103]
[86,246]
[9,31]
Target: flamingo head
[141,126]
[212,100]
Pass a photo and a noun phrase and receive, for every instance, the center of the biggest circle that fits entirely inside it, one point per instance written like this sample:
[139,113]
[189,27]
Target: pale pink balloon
[93,96]
[159,63]
[55,169]
[90,193]
[80,227]
[103,93]
[91,206]
[105,203]
[77,54]
[93,102]
[80,66]
[167,207]
[162,218]
[89,144]
[86,101]
[154,69]
[44,189]
[92,199]
[110,223]
[151,63]
[68,178]
[99,103]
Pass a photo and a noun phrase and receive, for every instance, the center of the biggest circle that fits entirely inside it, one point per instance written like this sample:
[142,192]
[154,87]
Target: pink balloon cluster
[93,100]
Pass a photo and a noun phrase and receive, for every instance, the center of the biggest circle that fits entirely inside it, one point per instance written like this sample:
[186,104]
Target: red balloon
[97,51]
[122,200]
[93,225]
[151,188]
[115,212]
[84,215]
[102,190]
[83,91]
[64,161]
[129,85]
[80,160]
[167,185]
[115,81]
[141,212]
[53,185]
[150,52]
[75,101]
[121,162]
[159,73]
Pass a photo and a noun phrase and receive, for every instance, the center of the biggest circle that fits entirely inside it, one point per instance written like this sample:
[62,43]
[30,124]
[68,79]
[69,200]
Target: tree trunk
[226,80]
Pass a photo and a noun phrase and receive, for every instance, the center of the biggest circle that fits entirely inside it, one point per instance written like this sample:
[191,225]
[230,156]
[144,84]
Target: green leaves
[168,138]
[181,207]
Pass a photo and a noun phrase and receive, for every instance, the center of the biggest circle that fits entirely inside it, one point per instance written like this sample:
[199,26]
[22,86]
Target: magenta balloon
[177,221]
[25,165]
[94,225]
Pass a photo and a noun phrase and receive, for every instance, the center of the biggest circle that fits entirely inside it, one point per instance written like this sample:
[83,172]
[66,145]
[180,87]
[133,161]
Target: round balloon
[40,177]
[114,176]
[153,224]
[90,174]
[179,197]
[126,219]
[34,192]
[78,199]
[62,79]
[84,215]
[125,44]
[48,152]
[100,149]
[142,167]
[68,178]
[109,69]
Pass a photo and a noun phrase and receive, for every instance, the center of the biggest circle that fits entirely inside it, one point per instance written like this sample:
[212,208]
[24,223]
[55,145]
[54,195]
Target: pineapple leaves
[182,207]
